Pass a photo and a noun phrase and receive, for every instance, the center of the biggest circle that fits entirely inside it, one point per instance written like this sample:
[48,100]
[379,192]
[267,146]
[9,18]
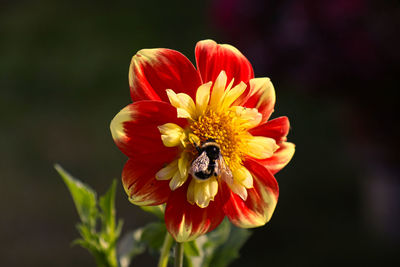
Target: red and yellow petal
[261,95]
[152,71]
[261,200]
[135,131]
[277,129]
[185,221]
[280,158]
[141,185]
[212,58]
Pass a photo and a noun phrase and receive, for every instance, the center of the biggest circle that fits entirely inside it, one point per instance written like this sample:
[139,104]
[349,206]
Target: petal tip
[117,124]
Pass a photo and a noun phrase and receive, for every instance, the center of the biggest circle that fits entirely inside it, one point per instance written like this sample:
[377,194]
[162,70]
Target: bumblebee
[209,162]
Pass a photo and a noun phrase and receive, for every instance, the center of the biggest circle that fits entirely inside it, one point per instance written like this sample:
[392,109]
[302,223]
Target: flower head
[177,113]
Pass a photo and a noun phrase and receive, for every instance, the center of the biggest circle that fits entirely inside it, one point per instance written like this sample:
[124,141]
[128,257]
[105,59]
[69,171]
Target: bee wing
[200,164]
[223,170]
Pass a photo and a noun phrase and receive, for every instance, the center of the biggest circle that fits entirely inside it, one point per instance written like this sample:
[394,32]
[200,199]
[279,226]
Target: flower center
[225,129]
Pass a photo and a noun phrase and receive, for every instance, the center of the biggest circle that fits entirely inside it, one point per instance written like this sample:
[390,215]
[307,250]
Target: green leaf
[106,203]
[87,233]
[130,246]
[207,244]
[219,247]
[83,196]
[135,242]
[153,235]
[101,244]
[229,251]
[219,236]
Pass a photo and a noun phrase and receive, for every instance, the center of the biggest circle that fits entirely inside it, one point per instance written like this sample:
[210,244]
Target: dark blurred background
[335,67]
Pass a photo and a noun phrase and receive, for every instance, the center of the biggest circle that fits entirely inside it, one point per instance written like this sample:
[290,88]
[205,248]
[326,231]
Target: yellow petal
[183,113]
[183,164]
[238,189]
[228,88]
[260,147]
[190,192]
[199,195]
[183,103]
[176,181]
[181,175]
[187,103]
[202,98]
[230,84]
[205,191]
[213,188]
[233,94]
[218,91]
[173,98]
[202,192]
[168,171]
[249,117]
[171,134]
[243,176]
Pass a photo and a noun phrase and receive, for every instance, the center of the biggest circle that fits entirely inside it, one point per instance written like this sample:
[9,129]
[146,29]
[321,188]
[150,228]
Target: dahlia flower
[176,109]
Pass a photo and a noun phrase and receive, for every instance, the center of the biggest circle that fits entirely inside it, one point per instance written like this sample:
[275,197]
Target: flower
[175,110]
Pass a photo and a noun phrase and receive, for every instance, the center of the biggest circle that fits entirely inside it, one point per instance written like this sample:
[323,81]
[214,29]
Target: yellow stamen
[225,129]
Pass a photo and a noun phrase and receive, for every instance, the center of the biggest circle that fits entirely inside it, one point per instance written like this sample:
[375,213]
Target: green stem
[178,254]
[112,258]
[166,247]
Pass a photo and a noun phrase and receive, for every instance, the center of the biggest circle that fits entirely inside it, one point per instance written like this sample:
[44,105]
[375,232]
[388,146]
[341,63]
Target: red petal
[152,71]
[261,200]
[138,136]
[140,184]
[277,128]
[212,58]
[280,158]
[185,221]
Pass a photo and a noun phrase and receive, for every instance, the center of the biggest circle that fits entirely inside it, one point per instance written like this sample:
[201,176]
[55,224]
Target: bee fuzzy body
[209,161]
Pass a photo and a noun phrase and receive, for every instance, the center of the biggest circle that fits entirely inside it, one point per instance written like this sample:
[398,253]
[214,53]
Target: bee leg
[196,146]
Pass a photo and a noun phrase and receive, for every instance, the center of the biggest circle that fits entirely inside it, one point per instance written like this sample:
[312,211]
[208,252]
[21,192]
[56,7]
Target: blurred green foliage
[218,248]
[64,75]
[100,241]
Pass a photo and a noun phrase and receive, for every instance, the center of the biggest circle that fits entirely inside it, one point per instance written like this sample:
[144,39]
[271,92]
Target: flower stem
[178,254]
[166,247]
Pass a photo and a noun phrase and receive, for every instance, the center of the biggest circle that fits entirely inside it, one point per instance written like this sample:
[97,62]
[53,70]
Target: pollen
[225,129]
